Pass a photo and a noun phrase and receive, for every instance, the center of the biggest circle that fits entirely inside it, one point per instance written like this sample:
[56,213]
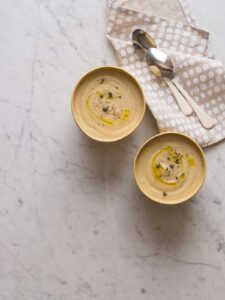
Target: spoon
[142,40]
[162,66]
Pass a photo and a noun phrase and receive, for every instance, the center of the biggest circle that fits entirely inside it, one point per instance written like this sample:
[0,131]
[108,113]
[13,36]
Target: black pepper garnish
[105,109]
[177,161]
[101,80]
[110,95]
[157,166]
[171,166]
[101,96]
[119,97]
[176,178]
[117,87]
[168,158]
[164,194]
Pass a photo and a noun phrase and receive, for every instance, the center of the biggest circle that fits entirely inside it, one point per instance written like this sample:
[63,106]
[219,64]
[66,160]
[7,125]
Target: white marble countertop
[73,224]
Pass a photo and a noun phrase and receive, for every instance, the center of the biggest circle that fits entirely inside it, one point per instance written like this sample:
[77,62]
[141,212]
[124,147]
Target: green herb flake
[171,166]
[177,161]
[157,166]
[110,95]
[168,158]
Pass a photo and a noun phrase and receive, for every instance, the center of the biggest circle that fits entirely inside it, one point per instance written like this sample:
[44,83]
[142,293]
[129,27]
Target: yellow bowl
[149,185]
[107,134]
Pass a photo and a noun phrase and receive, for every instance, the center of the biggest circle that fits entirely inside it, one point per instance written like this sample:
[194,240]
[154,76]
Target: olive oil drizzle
[174,159]
[124,116]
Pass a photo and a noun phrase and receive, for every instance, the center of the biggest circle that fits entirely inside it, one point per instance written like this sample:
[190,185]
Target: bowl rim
[185,198]
[115,68]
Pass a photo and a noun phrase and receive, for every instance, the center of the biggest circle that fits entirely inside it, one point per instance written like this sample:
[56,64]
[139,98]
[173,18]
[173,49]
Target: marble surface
[73,224]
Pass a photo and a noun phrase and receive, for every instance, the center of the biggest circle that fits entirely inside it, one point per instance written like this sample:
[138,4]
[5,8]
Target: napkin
[176,32]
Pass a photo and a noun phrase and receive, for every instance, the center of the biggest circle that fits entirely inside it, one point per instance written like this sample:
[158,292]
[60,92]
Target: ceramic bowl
[91,124]
[151,186]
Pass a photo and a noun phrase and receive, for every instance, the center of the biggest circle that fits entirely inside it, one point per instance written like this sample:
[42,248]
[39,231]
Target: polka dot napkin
[177,33]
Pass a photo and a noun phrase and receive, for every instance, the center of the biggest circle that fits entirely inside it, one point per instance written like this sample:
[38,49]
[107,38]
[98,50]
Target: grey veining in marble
[73,224]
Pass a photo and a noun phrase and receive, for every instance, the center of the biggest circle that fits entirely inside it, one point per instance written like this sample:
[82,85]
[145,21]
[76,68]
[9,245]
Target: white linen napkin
[175,32]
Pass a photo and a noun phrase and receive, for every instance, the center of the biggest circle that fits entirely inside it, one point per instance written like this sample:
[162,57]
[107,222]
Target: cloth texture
[176,32]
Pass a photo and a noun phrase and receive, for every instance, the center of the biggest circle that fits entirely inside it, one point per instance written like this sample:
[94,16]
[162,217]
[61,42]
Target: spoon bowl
[160,63]
[142,39]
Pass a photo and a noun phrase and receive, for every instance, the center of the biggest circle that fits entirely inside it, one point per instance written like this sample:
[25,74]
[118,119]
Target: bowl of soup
[108,104]
[170,168]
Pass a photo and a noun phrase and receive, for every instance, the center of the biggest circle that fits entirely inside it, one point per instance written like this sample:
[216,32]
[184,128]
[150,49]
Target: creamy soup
[169,167]
[108,104]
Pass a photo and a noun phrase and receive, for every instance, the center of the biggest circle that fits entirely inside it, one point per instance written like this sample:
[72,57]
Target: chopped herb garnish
[157,166]
[101,96]
[182,175]
[101,80]
[164,194]
[177,161]
[110,95]
[171,166]
[168,158]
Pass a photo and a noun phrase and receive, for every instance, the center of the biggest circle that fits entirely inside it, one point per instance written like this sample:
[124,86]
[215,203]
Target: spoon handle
[183,104]
[203,117]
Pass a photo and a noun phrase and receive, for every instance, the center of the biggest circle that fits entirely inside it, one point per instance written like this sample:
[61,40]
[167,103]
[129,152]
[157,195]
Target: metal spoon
[142,40]
[162,66]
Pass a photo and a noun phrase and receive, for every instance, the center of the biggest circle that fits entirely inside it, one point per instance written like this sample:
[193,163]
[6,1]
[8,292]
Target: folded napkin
[177,33]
